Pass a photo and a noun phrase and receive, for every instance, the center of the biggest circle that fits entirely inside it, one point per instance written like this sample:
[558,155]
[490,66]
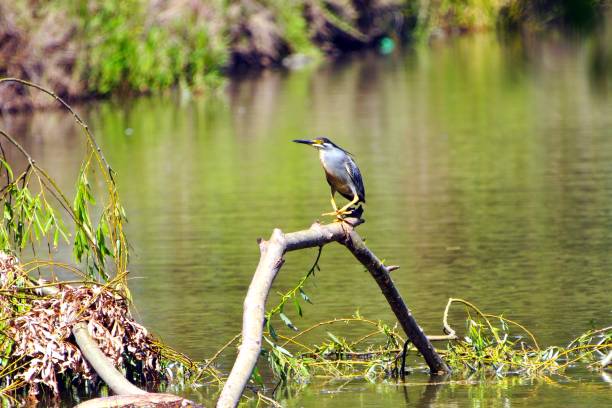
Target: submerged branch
[271,260]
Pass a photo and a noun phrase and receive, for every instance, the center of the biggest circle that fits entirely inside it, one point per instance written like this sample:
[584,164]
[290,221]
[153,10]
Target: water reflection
[478,392]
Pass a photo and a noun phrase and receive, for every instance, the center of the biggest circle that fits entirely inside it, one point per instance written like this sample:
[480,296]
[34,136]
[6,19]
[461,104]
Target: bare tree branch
[271,261]
[103,366]
[147,400]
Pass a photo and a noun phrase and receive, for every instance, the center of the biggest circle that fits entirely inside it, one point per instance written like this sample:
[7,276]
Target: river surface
[488,172]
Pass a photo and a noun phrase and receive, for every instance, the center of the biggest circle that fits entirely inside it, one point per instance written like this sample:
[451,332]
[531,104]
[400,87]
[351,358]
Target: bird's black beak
[308,142]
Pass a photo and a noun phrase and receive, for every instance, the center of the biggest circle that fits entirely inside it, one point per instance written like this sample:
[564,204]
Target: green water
[488,172]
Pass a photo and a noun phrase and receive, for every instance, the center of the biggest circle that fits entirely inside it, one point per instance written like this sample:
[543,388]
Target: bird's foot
[340,214]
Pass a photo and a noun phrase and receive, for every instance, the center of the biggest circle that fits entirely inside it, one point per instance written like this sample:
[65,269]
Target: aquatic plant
[493,347]
[497,350]
[486,347]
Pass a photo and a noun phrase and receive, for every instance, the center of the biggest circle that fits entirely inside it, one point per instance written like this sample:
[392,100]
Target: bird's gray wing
[355,174]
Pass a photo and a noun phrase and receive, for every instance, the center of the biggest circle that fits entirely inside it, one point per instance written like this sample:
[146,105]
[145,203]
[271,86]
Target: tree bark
[271,261]
[381,275]
[101,364]
[141,400]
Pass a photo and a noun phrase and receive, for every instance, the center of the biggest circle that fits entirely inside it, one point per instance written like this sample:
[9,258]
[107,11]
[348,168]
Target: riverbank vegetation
[43,299]
[90,48]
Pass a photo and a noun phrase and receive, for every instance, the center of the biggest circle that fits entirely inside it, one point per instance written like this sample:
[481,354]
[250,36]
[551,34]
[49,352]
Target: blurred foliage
[439,17]
[124,50]
[290,17]
[102,46]
[539,14]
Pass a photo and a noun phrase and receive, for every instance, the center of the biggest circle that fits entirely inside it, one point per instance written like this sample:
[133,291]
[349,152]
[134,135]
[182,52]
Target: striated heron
[342,174]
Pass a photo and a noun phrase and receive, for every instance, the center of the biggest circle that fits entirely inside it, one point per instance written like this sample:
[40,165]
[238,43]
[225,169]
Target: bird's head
[321,143]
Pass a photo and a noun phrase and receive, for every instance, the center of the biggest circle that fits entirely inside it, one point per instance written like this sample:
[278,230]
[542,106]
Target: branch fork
[270,262]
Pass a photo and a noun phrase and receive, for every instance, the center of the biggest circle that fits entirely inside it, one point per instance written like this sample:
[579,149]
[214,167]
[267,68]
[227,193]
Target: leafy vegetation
[490,349]
[538,14]
[105,46]
[38,216]
[33,205]
[123,51]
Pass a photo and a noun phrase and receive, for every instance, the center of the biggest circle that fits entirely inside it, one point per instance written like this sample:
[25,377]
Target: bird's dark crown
[320,143]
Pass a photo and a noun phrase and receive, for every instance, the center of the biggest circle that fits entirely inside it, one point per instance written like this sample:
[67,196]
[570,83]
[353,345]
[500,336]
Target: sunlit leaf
[287,322]
[8,169]
[256,377]
[298,308]
[334,338]
[305,296]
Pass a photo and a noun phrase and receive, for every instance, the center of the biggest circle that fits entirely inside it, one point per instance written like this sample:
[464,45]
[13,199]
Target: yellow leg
[333,203]
[343,211]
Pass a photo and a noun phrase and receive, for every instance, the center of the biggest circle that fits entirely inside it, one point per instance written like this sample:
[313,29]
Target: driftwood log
[147,400]
[271,261]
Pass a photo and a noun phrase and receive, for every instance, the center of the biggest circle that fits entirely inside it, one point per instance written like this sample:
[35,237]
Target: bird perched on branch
[342,174]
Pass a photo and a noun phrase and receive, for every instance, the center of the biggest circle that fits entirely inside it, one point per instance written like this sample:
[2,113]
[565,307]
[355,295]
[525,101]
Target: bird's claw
[339,213]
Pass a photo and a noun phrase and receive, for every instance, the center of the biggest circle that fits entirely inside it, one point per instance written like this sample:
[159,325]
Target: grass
[123,51]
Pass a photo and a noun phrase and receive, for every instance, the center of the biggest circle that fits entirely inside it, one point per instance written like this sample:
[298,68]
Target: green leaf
[334,338]
[39,225]
[305,296]
[8,169]
[271,330]
[8,212]
[288,322]
[256,377]
[298,308]
[280,349]
[48,224]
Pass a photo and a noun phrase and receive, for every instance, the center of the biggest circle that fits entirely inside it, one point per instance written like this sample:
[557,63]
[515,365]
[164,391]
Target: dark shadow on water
[430,393]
